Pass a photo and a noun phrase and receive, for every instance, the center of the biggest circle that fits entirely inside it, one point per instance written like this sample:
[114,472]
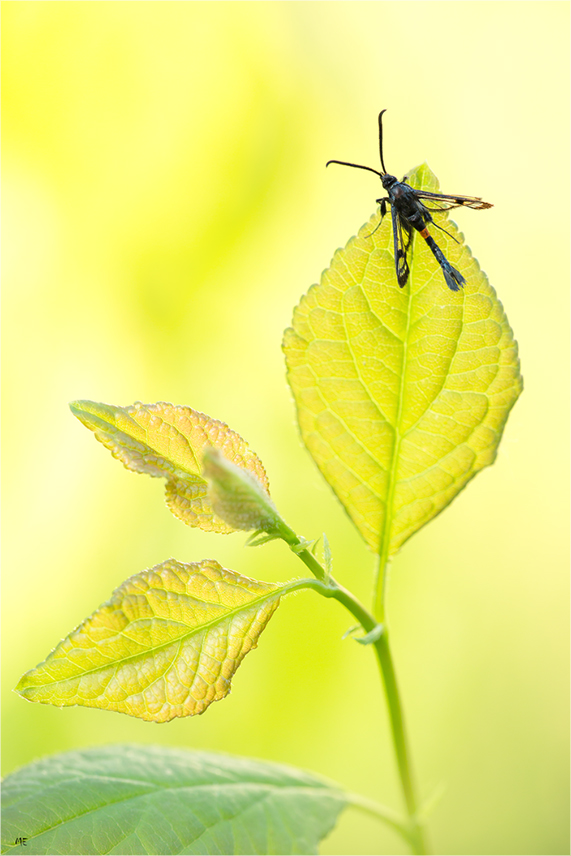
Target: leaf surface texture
[166,644]
[128,799]
[166,440]
[401,394]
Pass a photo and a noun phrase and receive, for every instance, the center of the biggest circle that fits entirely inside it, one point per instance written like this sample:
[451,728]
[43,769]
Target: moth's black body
[408,212]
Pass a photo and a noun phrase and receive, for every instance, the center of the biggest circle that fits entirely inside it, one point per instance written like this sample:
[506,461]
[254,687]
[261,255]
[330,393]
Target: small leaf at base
[371,636]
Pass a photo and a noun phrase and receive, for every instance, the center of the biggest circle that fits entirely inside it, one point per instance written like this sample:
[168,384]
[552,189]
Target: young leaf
[401,394]
[327,557]
[236,495]
[166,644]
[259,537]
[169,441]
[372,636]
[153,799]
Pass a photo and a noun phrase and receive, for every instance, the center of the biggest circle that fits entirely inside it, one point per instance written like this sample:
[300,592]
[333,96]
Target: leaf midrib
[154,789]
[153,650]
[160,456]
[388,521]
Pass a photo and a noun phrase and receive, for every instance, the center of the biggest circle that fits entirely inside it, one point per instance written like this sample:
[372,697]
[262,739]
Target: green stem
[380,589]
[331,588]
[386,668]
[381,812]
[394,703]
[400,741]
[308,559]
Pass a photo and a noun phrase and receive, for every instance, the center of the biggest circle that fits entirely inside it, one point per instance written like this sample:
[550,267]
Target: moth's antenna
[356,165]
[381,140]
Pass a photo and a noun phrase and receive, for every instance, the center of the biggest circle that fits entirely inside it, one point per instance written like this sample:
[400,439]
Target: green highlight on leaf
[368,638]
[372,636]
[168,441]
[153,799]
[259,537]
[401,394]
[166,644]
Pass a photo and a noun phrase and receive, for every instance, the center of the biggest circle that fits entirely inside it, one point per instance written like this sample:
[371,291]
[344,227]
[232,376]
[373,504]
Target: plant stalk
[331,588]
[386,666]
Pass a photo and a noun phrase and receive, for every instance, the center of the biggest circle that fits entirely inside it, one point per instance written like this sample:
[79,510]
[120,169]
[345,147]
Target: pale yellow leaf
[165,440]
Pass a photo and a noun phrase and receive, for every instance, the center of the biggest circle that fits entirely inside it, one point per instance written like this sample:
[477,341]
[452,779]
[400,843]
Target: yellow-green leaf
[401,394]
[166,644]
[169,441]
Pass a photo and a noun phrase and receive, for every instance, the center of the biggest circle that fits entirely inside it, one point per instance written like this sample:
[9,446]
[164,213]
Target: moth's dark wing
[444,202]
[402,237]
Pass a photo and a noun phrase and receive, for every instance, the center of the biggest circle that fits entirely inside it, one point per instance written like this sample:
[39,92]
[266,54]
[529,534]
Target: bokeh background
[166,204]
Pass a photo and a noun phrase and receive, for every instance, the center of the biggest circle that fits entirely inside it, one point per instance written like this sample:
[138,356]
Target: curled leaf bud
[236,495]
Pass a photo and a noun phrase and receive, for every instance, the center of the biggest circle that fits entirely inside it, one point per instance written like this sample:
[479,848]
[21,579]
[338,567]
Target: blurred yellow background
[166,204]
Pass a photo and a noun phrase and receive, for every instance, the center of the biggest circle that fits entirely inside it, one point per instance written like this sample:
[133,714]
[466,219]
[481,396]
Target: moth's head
[388,180]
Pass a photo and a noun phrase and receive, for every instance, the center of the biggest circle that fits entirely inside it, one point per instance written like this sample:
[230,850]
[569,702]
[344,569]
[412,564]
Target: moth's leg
[383,203]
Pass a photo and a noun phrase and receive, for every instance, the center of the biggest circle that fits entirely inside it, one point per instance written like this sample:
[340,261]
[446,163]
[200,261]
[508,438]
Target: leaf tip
[77,407]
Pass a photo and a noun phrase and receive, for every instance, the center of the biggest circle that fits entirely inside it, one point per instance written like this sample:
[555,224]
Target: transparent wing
[444,202]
